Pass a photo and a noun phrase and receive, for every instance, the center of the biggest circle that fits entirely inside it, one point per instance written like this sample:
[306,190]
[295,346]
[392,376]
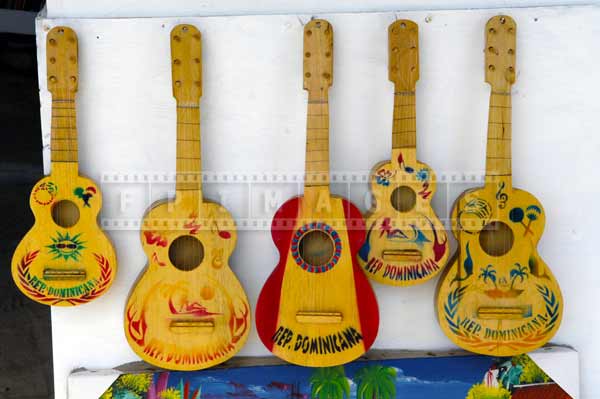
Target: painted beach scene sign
[455,377]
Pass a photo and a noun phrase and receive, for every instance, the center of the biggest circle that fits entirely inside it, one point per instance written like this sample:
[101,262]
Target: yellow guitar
[65,259]
[406,242]
[187,311]
[497,296]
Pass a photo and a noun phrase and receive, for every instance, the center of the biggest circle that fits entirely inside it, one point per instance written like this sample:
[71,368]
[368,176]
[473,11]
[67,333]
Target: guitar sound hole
[316,248]
[403,199]
[496,238]
[65,213]
[186,253]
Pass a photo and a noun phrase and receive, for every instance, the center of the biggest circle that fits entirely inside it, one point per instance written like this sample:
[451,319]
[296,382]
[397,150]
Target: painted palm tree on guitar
[376,382]
[329,383]
[519,272]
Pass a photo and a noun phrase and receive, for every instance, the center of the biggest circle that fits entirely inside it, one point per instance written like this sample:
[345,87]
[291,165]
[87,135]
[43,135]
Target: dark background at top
[25,335]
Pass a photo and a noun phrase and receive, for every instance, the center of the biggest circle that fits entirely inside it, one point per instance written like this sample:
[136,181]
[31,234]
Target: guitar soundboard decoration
[498,296]
[406,243]
[317,307]
[65,259]
[188,310]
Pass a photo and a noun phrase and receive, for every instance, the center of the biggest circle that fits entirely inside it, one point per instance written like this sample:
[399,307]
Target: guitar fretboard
[317,140]
[63,131]
[498,155]
[189,163]
[404,128]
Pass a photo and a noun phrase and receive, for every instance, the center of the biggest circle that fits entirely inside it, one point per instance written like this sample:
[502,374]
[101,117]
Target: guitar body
[187,319]
[407,246]
[321,316]
[498,298]
[65,259]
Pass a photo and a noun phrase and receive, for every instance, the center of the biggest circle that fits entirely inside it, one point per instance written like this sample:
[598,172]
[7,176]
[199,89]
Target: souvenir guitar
[65,259]
[187,311]
[317,308]
[497,296]
[406,243]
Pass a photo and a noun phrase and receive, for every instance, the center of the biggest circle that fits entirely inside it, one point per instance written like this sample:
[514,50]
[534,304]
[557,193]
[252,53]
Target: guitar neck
[317,140]
[403,70]
[500,65]
[498,154]
[404,128]
[318,76]
[189,154]
[62,81]
[63,131]
[186,61]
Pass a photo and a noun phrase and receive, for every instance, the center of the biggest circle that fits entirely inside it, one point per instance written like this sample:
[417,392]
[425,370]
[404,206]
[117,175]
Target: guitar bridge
[64,274]
[192,326]
[319,317]
[402,255]
[504,313]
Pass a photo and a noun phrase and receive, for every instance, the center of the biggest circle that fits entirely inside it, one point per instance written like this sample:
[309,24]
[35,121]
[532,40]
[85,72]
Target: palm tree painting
[329,383]
[518,272]
[488,273]
[376,382]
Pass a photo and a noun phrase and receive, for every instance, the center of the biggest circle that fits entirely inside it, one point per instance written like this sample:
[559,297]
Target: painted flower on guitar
[383,176]
[422,175]
[66,246]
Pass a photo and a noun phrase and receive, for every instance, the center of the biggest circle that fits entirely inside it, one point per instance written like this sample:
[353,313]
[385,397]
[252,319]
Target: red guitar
[317,308]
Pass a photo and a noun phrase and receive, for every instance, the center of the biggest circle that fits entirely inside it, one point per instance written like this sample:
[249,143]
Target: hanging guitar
[187,311]
[406,243]
[498,297]
[65,259]
[317,308]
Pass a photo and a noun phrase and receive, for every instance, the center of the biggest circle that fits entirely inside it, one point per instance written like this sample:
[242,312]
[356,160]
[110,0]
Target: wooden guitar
[317,308]
[498,297]
[65,259]
[406,242]
[187,310]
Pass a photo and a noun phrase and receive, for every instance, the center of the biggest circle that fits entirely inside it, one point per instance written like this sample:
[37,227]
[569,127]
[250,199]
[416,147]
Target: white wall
[180,8]
[254,124]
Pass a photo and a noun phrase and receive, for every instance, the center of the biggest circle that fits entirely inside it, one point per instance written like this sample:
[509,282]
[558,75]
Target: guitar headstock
[403,46]
[318,55]
[186,63]
[62,62]
[500,52]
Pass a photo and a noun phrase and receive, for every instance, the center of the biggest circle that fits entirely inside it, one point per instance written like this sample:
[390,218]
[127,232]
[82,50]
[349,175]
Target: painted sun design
[66,246]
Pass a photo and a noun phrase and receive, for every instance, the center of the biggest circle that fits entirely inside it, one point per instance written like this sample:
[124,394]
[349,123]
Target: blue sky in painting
[422,378]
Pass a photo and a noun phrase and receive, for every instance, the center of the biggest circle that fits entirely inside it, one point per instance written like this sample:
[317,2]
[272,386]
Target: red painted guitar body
[317,316]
